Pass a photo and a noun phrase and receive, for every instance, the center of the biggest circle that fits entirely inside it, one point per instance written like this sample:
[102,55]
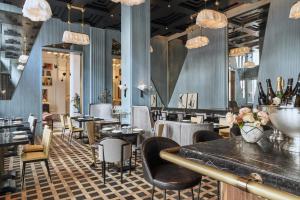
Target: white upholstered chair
[113,150]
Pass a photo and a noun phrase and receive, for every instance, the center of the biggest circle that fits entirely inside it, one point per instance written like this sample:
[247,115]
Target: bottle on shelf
[288,94]
[279,88]
[262,97]
[270,93]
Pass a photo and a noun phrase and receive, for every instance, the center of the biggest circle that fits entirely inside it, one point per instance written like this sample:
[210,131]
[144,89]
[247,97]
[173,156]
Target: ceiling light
[295,11]
[211,19]
[23,59]
[197,42]
[241,51]
[20,67]
[249,64]
[129,2]
[37,10]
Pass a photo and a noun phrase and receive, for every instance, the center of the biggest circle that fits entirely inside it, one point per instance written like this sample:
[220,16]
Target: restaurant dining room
[150,99]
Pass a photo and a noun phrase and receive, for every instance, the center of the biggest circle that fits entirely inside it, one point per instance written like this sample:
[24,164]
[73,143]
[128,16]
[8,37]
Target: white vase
[252,134]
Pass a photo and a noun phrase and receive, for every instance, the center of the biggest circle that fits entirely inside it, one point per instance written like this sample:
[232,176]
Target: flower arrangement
[76,102]
[254,118]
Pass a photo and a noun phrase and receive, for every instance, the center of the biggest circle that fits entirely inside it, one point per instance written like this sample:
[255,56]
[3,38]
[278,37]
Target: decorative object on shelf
[129,2]
[295,11]
[250,123]
[212,19]
[105,96]
[192,101]
[197,42]
[20,67]
[123,88]
[37,10]
[73,37]
[286,120]
[142,87]
[153,100]
[23,59]
[240,51]
[182,101]
[76,102]
[249,64]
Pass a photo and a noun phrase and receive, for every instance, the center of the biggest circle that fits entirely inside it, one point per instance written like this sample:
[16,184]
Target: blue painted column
[135,40]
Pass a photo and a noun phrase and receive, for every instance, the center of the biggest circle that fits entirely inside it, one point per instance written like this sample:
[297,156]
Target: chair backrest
[110,150]
[90,127]
[47,138]
[70,124]
[205,136]
[150,154]
[102,110]
[198,119]
[159,130]
[32,123]
[62,121]
[141,118]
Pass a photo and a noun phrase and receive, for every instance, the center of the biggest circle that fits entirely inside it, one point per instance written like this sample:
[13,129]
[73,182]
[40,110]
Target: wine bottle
[288,94]
[270,93]
[279,88]
[262,97]
[297,85]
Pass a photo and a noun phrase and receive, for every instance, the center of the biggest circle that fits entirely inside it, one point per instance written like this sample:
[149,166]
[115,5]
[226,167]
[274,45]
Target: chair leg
[104,171]
[199,190]
[130,166]
[48,169]
[70,137]
[178,194]
[165,194]
[23,173]
[218,189]
[135,157]
[153,191]
[122,171]
[192,193]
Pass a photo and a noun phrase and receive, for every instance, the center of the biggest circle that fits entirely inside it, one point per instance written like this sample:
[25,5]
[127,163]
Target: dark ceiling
[167,16]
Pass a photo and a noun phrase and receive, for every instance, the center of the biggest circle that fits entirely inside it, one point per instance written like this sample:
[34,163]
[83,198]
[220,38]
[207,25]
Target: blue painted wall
[205,72]
[27,97]
[280,55]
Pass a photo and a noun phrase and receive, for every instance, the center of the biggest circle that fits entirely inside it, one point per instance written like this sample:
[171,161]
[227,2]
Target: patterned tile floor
[72,178]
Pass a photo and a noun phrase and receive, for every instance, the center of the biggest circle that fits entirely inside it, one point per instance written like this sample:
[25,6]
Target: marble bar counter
[277,168]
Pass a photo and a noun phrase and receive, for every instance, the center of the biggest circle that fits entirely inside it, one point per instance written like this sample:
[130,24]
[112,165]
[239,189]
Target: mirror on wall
[246,34]
[116,72]
[17,36]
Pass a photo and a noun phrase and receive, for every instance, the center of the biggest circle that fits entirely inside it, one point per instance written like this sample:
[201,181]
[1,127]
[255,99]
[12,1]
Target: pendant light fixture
[212,19]
[240,51]
[37,10]
[129,2]
[295,11]
[73,37]
[196,42]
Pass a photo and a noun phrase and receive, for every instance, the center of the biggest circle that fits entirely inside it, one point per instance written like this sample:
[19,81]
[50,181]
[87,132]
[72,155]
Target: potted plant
[250,123]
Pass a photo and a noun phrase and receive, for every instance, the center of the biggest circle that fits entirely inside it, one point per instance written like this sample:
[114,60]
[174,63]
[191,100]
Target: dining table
[7,179]
[11,124]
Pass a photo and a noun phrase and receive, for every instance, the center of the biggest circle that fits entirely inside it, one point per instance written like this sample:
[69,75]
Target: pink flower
[244,111]
[248,117]
[264,117]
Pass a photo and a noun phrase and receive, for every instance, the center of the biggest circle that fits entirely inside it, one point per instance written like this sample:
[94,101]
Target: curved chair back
[90,127]
[47,138]
[62,121]
[150,154]
[113,150]
[70,124]
[205,136]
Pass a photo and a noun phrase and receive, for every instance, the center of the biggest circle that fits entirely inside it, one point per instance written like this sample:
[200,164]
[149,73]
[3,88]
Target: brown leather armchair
[163,174]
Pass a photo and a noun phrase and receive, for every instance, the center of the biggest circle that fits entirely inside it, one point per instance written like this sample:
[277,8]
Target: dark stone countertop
[279,169]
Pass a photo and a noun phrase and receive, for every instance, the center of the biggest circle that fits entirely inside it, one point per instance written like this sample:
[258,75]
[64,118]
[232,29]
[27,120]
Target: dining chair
[31,129]
[64,126]
[163,174]
[205,136]
[73,129]
[90,127]
[42,156]
[113,150]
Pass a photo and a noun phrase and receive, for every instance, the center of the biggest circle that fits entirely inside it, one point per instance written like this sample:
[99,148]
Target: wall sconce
[124,88]
[142,87]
